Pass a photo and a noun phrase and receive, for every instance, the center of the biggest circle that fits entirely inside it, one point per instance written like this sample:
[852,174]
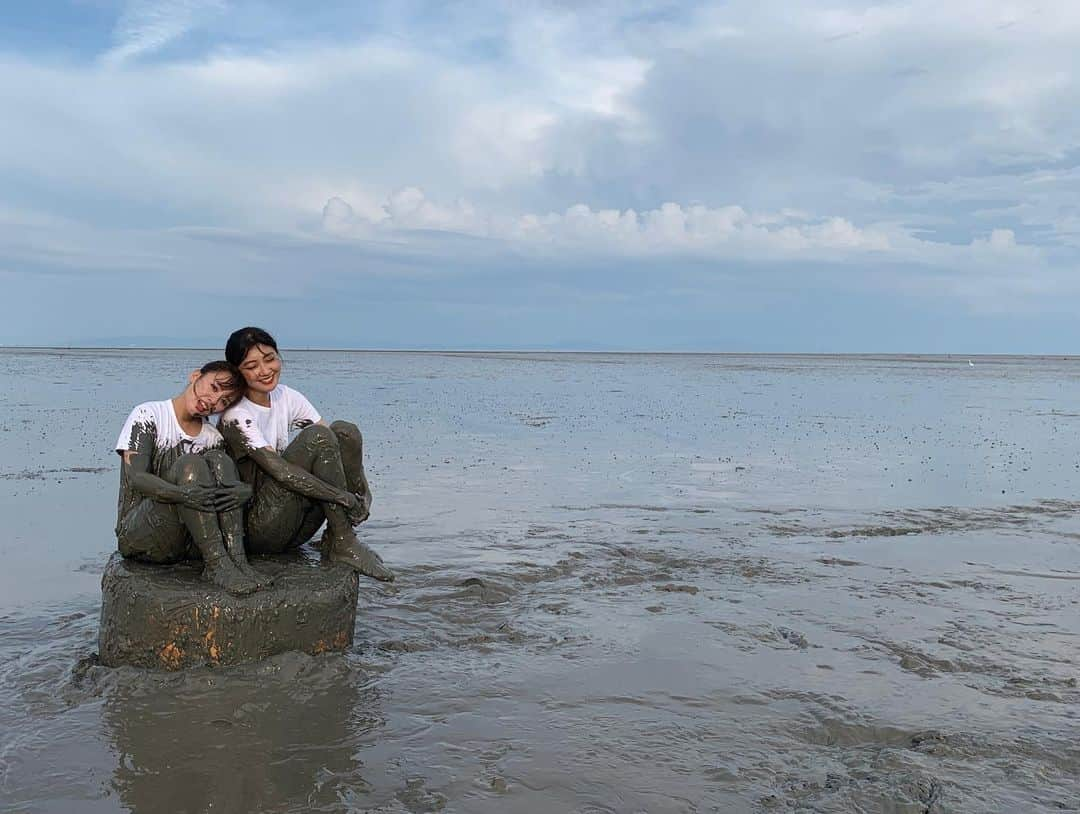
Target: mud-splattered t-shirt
[153,428]
[250,426]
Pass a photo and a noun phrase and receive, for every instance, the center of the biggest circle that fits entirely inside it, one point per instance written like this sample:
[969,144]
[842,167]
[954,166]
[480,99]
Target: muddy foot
[252,573]
[239,558]
[224,573]
[261,579]
[357,555]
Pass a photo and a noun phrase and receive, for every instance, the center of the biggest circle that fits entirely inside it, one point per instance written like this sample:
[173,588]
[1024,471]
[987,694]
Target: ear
[194,377]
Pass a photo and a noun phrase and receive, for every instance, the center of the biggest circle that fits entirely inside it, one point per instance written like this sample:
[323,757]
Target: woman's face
[261,368]
[210,393]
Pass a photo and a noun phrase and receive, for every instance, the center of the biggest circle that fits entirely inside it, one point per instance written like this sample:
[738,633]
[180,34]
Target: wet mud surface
[168,617]
[663,584]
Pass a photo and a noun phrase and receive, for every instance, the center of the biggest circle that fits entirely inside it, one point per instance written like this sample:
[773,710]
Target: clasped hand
[358,507]
[222,498]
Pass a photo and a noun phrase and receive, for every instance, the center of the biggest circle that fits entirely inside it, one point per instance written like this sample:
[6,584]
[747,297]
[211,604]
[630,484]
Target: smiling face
[209,393]
[261,367]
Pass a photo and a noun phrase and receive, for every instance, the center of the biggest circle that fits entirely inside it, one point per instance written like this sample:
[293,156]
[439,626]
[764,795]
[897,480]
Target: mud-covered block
[168,617]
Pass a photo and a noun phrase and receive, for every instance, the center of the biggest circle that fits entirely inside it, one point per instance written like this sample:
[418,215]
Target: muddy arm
[297,479]
[137,468]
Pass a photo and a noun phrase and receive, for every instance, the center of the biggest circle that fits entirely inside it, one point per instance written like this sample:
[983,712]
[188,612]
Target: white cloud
[928,135]
[670,229]
[147,25]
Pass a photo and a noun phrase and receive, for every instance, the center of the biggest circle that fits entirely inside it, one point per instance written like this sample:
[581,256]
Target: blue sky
[811,175]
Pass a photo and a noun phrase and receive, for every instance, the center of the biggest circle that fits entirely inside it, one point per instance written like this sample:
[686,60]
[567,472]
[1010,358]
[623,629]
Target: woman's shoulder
[151,420]
[292,398]
[299,408]
[241,408]
[283,390]
[149,409]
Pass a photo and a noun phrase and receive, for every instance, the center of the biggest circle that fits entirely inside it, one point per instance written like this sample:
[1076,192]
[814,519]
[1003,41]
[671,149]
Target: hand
[359,508]
[198,497]
[231,496]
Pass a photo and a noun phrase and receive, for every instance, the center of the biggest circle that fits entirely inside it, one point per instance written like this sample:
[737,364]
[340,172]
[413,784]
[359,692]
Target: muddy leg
[153,532]
[351,444]
[205,531]
[312,522]
[231,523]
[317,450]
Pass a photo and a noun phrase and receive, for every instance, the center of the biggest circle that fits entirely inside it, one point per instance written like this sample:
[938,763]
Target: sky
[797,176]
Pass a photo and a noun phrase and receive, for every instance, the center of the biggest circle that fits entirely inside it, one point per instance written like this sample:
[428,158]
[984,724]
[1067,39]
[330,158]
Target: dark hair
[236,379]
[240,342]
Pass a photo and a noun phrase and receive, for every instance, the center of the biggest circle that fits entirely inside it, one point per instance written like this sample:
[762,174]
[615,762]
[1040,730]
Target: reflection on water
[280,736]
[625,583]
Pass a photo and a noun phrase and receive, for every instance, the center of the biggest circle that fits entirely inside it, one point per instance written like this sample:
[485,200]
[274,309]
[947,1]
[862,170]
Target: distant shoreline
[959,357]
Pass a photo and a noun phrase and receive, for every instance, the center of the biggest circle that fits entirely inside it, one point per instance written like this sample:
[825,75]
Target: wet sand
[625,583]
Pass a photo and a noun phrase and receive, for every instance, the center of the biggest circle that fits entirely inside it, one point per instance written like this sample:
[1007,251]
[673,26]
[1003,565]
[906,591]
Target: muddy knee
[317,436]
[347,433]
[190,469]
[216,457]
[221,465]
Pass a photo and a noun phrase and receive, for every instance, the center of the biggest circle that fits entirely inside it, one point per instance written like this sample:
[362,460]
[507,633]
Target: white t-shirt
[153,427]
[158,419]
[270,426]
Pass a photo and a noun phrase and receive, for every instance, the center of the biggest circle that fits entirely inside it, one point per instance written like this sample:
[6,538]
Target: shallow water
[625,583]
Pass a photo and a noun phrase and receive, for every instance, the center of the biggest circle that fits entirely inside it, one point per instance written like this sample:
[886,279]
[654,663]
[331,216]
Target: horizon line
[317,349]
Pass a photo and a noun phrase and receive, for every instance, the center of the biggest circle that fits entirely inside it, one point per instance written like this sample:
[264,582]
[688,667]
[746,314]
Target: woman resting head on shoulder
[180,494]
[299,483]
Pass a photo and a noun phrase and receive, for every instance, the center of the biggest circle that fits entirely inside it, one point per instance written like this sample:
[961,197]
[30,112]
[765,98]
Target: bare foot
[235,551]
[224,573]
[251,572]
[357,555]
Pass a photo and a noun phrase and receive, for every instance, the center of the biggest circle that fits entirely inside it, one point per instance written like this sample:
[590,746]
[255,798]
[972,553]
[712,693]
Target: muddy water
[625,583]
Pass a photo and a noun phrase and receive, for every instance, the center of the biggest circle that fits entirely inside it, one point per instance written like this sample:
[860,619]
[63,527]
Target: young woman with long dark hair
[317,476]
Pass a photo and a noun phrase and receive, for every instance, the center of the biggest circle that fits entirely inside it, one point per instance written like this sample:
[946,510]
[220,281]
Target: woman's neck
[262,399]
[185,418]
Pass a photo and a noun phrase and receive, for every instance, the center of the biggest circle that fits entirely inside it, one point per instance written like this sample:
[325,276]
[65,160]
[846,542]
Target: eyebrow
[267,355]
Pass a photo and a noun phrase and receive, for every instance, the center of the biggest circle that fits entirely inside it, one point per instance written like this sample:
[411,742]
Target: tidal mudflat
[626,583]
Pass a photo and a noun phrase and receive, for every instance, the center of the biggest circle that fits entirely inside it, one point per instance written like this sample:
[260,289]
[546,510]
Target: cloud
[671,228]
[148,25]
[735,104]
[915,148]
